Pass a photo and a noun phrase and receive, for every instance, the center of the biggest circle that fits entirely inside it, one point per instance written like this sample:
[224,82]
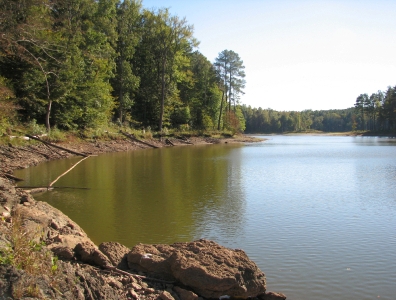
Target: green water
[151,196]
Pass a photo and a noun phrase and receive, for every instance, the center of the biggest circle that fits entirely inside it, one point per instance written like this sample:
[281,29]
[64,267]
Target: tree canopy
[84,63]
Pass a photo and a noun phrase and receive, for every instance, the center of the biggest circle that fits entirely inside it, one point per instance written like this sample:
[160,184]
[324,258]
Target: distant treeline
[371,113]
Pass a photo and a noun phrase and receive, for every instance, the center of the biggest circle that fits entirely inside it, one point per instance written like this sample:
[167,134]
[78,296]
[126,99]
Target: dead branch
[67,171]
[56,146]
[136,140]
[114,269]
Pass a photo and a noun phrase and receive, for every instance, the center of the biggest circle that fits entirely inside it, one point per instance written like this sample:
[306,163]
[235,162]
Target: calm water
[317,214]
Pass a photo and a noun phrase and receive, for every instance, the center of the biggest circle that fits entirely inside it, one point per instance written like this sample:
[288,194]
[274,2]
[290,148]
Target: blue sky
[301,54]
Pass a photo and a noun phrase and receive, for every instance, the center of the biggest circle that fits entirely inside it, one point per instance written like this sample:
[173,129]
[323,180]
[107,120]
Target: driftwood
[56,146]
[184,140]
[35,190]
[168,141]
[29,188]
[9,176]
[54,151]
[136,140]
[39,190]
[114,269]
[67,171]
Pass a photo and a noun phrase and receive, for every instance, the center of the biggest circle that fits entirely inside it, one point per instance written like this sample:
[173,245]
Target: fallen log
[54,151]
[116,270]
[56,146]
[67,171]
[39,190]
[184,140]
[168,141]
[136,140]
[9,176]
[52,187]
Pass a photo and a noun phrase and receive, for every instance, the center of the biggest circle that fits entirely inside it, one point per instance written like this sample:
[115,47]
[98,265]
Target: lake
[316,213]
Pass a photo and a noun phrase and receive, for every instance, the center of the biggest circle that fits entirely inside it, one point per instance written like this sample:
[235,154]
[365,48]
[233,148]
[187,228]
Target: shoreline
[88,271]
[33,153]
[321,133]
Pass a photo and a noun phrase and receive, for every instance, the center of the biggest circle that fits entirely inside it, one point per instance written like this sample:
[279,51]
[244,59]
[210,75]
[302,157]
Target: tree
[125,82]
[161,63]
[389,108]
[30,49]
[89,31]
[231,72]
[361,105]
[201,92]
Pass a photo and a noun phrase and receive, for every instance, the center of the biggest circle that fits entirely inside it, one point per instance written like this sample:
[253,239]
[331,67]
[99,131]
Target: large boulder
[117,254]
[207,268]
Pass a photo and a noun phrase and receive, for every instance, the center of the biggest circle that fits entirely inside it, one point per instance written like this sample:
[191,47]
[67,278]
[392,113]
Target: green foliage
[78,65]
[56,135]
[35,129]
[7,106]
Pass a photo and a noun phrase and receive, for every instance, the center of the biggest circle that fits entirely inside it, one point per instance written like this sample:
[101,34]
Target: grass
[24,249]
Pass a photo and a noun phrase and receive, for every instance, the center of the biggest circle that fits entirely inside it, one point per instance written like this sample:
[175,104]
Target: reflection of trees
[158,196]
[179,194]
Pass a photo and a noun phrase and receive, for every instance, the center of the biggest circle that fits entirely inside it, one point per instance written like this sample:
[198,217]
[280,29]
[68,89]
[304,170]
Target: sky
[298,54]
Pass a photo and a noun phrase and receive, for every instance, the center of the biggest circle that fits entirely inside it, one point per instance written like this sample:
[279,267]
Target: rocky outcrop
[209,269]
[117,254]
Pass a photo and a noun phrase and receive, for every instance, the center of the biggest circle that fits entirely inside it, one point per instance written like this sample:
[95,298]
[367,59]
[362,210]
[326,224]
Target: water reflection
[151,196]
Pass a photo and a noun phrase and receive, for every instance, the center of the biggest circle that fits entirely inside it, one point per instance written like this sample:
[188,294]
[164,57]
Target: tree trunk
[162,95]
[121,94]
[229,92]
[221,110]
[47,116]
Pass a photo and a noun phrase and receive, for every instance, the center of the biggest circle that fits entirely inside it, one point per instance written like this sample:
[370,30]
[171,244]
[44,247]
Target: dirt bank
[33,235]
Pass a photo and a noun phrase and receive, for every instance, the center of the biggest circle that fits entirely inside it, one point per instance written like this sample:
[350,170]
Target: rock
[117,254]
[5,214]
[209,269]
[115,283]
[134,295]
[166,296]
[26,198]
[63,252]
[54,225]
[184,294]
[87,252]
[273,296]
[136,286]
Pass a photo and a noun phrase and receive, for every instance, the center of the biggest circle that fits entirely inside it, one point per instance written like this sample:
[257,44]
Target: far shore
[321,133]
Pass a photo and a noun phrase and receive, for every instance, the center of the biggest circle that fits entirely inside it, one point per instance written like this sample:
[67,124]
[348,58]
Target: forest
[375,113]
[80,64]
